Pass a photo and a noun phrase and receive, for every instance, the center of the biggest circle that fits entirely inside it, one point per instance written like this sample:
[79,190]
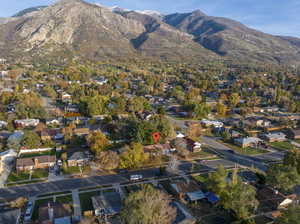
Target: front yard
[24,176]
[70,170]
[282,145]
[245,151]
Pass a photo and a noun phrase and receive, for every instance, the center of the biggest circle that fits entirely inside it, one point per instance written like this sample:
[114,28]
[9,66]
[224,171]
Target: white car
[136,177]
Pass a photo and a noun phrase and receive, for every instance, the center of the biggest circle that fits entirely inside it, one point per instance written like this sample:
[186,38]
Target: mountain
[72,28]
[29,10]
[231,38]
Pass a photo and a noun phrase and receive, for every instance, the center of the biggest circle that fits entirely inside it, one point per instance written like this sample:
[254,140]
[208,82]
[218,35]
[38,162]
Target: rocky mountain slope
[74,28]
[231,38]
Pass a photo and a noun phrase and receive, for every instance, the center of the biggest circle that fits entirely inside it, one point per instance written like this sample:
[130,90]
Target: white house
[27,123]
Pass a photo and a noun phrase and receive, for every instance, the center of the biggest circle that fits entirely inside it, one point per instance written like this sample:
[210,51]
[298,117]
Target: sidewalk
[76,205]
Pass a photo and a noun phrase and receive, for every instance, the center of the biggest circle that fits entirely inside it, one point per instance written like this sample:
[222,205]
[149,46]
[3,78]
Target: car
[136,177]
[28,213]
[231,151]
[59,162]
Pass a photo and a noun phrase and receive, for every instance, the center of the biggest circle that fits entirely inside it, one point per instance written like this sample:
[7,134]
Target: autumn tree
[133,157]
[19,202]
[221,109]
[148,206]
[97,141]
[108,160]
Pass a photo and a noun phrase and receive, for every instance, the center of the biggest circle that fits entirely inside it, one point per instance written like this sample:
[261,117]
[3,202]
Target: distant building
[26,123]
[296,134]
[247,142]
[190,191]
[275,137]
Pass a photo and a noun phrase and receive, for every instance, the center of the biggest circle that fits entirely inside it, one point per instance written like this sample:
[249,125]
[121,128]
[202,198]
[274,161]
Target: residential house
[159,149]
[101,80]
[183,216]
[38,162]
[78,158]
[187,144]
[296,134]
[108,203]
[10,216]
[274,199]
[55,213]
[189,191]
[65,97]
[26,123]
[275,137]
[211,123]
[54,121]
[81,131]
[247,142]
[3,124]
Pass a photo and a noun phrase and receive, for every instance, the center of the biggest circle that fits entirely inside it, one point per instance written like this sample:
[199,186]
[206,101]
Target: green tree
[282,177]
[31,140]
[148,206]
[216,181]
[201,110]
[290,216]
[234,99]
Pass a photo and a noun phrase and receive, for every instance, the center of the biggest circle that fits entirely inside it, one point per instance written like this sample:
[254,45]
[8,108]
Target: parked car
[136,177]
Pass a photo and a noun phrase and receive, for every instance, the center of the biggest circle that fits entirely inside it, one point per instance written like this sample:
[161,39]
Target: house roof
[277,135]
[274,198]
[211,197]
[59,211]
[10,216]
[296,132]
[30,161]
[78,156]
[111,202]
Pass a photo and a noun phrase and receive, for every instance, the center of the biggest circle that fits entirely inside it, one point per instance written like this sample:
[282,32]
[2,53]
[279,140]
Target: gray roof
[10,216]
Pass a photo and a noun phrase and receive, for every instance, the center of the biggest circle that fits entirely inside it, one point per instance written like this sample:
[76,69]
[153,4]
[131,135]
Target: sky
[279,17]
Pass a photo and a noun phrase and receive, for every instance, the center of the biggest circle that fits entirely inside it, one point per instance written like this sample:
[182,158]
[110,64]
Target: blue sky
[270,16]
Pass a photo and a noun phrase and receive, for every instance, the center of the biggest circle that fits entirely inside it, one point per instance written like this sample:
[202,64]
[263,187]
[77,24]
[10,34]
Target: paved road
[36,189]
[224,152]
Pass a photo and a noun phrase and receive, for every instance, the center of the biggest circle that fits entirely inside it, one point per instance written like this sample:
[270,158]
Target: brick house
[39,162]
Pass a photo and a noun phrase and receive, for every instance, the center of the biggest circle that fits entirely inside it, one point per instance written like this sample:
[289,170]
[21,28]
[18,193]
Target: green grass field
[282,145]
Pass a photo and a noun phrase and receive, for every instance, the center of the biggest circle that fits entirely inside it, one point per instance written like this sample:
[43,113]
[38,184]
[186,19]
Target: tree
[216,181]
[292,158]
[201,110]
[31,140]
[290,216]
[108,160]
[19,202]
[97,141]
[234,99]
[240,198]
[282,177]
[173,165]
[133,157]
[194,131]
[221,109]
[148,206]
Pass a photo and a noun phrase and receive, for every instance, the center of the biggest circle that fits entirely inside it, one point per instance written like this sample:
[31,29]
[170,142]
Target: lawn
[17,176]
[76,170]
[201,178]
[246,151]
[86,200]
[298,141]
[282,145]
[39,173]
[47,153]
[205,152]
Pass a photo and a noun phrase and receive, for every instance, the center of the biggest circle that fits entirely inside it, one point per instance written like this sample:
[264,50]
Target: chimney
[36,162]
[50,212]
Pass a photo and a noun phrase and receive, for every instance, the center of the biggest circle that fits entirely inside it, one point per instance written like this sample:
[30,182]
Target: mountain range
[74,28]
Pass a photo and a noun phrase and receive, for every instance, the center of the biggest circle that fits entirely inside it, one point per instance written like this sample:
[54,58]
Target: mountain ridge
[81,29]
